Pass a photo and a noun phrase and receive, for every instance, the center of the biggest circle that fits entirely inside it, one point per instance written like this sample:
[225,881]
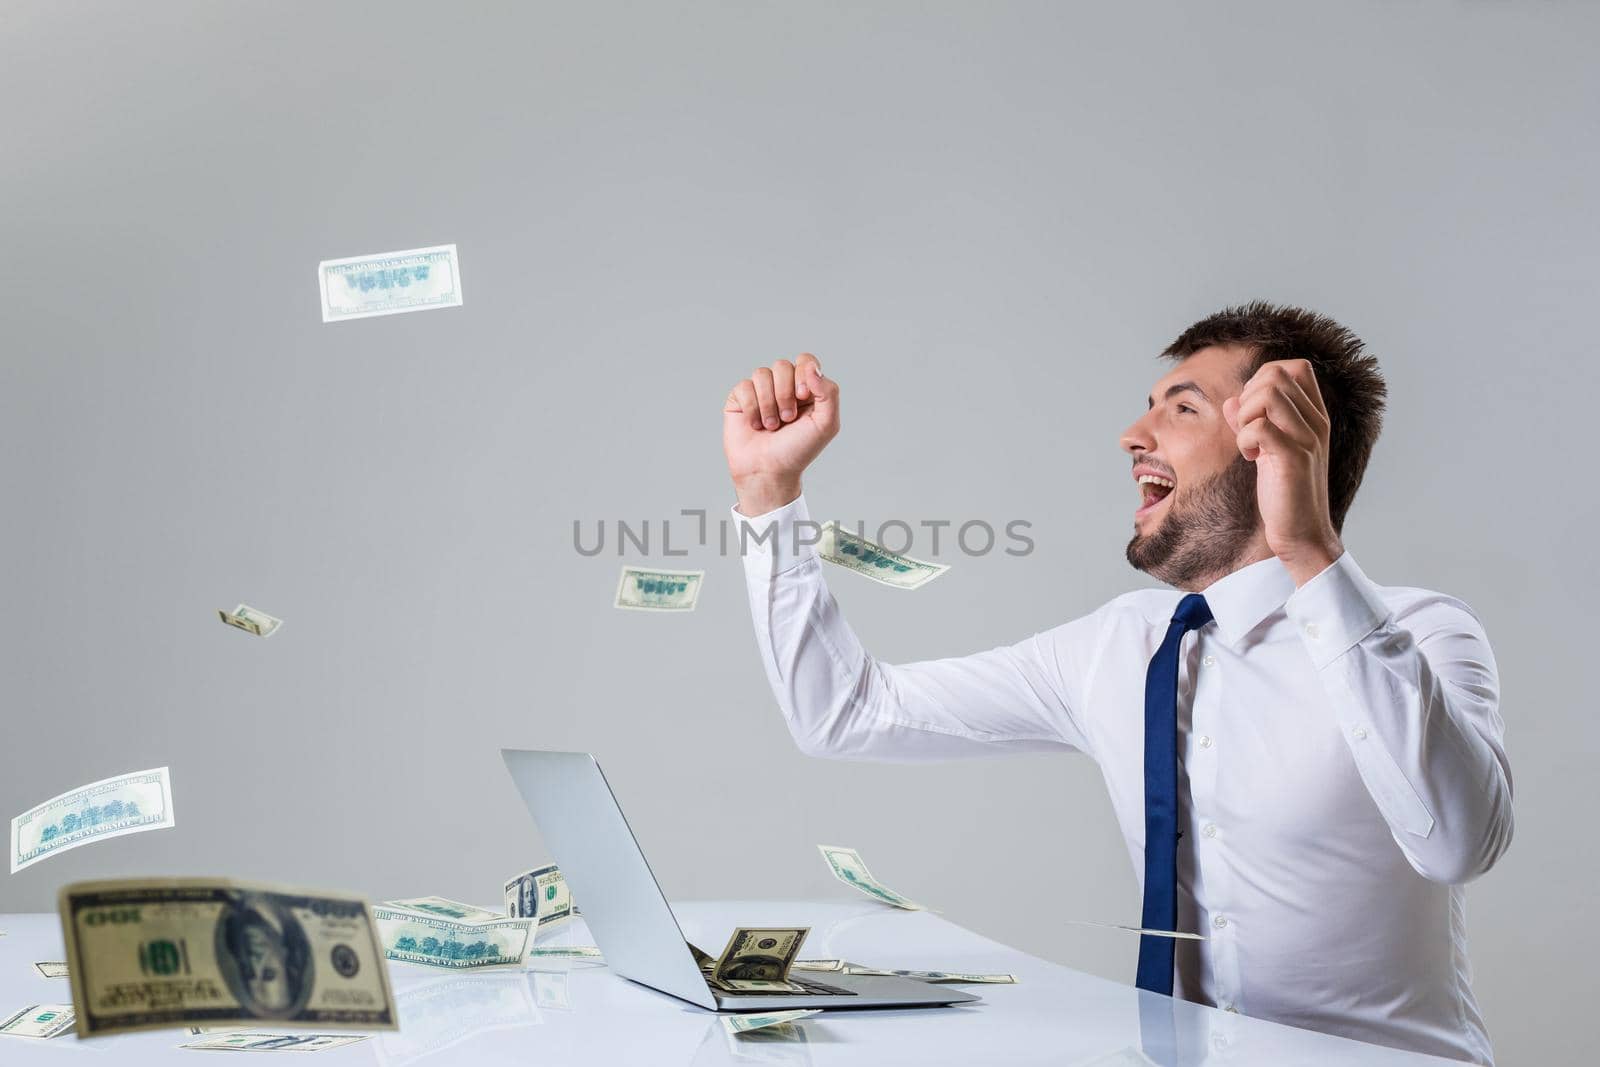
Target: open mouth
[1154,492]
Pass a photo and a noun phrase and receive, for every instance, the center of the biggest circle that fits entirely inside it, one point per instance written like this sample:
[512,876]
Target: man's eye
[1186,407]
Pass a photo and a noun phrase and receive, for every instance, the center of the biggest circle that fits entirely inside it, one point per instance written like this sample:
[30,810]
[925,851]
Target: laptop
[629,917]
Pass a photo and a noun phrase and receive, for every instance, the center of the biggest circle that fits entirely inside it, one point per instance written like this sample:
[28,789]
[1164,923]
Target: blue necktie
[1161,797]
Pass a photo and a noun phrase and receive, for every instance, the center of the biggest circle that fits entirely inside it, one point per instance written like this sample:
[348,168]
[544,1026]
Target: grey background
[985,218]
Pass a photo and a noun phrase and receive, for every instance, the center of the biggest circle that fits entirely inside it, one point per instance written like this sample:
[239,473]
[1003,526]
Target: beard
[1204,534]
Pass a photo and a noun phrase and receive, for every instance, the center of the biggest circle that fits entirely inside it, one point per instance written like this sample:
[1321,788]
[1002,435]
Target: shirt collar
[1241,600]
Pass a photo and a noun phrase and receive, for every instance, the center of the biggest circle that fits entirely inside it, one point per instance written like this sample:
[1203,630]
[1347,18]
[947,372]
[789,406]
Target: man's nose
[1136,438]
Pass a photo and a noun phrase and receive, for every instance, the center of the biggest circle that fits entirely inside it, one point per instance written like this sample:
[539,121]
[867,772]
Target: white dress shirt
[1341,770]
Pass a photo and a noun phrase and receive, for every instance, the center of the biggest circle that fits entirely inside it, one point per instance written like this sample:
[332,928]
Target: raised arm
[1418,700]
[837,699]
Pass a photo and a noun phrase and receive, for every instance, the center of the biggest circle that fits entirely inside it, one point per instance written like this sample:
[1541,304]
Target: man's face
[1194,532]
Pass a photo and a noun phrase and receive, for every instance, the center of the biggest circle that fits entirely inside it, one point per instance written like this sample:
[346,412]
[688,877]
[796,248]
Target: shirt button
[1210,661]
[1219,1042]
[1220,921]
[1311,630]
[1210,830]
[1360,733]
[1205,740]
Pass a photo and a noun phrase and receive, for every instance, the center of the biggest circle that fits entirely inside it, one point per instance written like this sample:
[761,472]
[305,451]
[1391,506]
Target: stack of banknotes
[438,932]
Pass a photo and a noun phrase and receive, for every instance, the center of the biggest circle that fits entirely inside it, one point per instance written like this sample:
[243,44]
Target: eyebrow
[1175,389]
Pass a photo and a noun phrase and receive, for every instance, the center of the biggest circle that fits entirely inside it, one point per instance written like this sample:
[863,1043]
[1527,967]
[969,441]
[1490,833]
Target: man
[1306,766]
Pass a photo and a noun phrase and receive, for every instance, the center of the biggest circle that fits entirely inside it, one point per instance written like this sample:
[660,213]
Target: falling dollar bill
[262,1041]
[1137,929]
[849,868]
[758,960]
[251,620]
[856,553]
[39,1021]
[655,590]
[51,970]
[388,283]
[935,976]
[152,953]
[743,1024]
[435,941]
[111,807]
[541,894]
[565,952]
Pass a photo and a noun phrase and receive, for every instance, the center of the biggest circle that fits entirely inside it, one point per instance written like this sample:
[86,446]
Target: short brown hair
[1347,377]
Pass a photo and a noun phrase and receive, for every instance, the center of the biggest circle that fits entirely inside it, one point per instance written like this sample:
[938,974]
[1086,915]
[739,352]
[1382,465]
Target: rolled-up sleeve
[841,702]
[1417,695]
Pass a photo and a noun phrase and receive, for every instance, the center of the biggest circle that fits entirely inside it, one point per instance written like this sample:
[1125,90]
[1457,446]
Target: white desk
[583,1014]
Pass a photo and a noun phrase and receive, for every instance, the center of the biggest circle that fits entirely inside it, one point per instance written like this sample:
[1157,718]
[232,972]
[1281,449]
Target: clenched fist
[774,424]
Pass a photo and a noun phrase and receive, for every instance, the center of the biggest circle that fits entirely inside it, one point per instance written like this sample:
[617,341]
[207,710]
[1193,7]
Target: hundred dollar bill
[262,1041]
[152,953]
[758,960]
[541,894]
[40,1021]
[51,970]
[642,589]
[936,976]
[849,868]
[565,952]
[854,552]
[819,965]
[251,620]
[388,283]
[446,909]
[434,941]
[743,1024]
[1137,929]
[111,807]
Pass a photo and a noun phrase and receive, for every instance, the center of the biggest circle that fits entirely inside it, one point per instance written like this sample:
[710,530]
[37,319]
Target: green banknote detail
[153,953]
[848,866]
[856,553]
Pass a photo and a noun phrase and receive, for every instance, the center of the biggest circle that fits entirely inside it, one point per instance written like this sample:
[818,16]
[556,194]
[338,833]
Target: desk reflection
[789,1044]
[444,1012]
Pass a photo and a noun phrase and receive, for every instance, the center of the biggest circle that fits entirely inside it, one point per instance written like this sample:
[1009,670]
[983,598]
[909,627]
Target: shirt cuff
[778,541]
[1336,610]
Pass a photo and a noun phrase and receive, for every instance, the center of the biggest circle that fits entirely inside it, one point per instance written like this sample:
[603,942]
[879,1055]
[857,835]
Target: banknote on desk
[266,1041]
[38,1021]
[540,894]
[145,954]
[934,976]
[436,932]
